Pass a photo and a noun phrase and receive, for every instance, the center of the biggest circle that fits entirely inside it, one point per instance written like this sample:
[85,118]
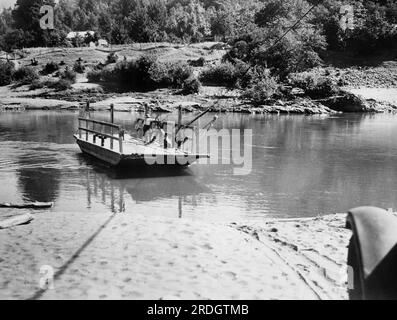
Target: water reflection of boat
[164,188]
[106,186]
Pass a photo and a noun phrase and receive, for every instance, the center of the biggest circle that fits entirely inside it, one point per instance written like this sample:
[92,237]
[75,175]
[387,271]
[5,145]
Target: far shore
[131,256]
[166,101]
[374,89]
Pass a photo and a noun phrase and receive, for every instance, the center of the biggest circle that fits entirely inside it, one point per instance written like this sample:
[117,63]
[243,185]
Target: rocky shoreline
[167,101]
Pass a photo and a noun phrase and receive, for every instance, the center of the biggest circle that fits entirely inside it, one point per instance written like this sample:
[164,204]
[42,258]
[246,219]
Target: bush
[97,90]
[36,84]
[21,53]
[60,85]
[200,62]
[262,90]
[78,67]
[112,58]
[99,66]
[227,74]
[49,68]
[6,73]
[191,86]
[313,84]
[178,73]
[69,75]
[25,75]
[145,73]
[94,76]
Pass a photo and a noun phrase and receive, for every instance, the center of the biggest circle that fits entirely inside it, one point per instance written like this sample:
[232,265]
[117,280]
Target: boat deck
[133,146]
[120,148]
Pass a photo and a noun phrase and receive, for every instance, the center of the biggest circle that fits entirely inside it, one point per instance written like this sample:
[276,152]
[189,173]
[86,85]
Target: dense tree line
[253,24]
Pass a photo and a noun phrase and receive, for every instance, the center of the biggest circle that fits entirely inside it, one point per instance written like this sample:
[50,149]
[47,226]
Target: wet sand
[128,256]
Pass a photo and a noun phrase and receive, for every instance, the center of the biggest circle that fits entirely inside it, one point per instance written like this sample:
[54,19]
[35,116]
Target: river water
[302,166]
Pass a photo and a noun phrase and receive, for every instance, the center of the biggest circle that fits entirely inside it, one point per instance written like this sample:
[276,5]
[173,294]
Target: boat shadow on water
[147,184]
[130,172]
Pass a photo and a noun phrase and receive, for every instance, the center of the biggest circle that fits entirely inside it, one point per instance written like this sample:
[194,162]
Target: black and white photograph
[198,150]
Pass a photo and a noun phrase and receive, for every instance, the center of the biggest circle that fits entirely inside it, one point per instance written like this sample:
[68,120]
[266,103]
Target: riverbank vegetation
[147,73]
[263,58]
[20,76]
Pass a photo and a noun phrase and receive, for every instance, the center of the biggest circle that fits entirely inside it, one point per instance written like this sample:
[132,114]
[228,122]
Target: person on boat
[181,143]
[148,119]
[181,138]
[139,127]
[164,136]
[152,135]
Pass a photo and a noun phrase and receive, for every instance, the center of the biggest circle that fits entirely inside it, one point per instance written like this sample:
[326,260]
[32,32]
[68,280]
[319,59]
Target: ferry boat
[110,143]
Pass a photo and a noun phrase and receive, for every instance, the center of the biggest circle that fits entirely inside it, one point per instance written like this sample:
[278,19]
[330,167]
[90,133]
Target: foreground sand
[128,256]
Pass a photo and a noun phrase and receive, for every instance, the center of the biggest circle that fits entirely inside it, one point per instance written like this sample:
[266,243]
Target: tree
[271,13]
[55,38]
[119,35]
[64,16]
[17,39]
[6,73]
[26,16]
[189,22]
[5,21]
[269,45]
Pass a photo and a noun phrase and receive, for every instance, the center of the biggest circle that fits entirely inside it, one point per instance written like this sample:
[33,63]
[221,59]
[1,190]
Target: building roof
[83,34]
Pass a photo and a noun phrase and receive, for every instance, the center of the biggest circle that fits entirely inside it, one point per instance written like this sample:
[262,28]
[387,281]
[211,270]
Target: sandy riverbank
[388,95]
[129,256]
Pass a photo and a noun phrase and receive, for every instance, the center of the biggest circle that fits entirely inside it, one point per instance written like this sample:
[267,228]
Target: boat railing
[102,130]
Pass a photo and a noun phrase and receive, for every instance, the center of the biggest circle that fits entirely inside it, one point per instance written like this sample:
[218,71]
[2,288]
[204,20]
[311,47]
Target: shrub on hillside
[144,73]
[223,74]
[97,90]
[178,74]
[227,74]
[25,75]
[112,58]
[262,90]
[37,84]
[94,76]
[68,74]
[99,66]
[6,73]
[78,67]
[313,84]
[191,86]
[200,62]
[60,85]
[49,68]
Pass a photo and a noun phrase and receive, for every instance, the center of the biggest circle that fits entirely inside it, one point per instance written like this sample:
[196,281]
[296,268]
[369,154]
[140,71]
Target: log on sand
[32,205]
[16,221]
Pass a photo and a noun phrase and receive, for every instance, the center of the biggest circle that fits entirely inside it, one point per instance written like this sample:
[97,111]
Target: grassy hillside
[93,56]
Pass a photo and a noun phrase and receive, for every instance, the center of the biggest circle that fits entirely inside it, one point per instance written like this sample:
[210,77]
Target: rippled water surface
[302,166]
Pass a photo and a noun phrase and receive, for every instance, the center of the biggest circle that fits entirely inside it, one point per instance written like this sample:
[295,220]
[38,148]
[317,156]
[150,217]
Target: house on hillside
[79,34]
[88,38]
[102,43]
[79,38]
